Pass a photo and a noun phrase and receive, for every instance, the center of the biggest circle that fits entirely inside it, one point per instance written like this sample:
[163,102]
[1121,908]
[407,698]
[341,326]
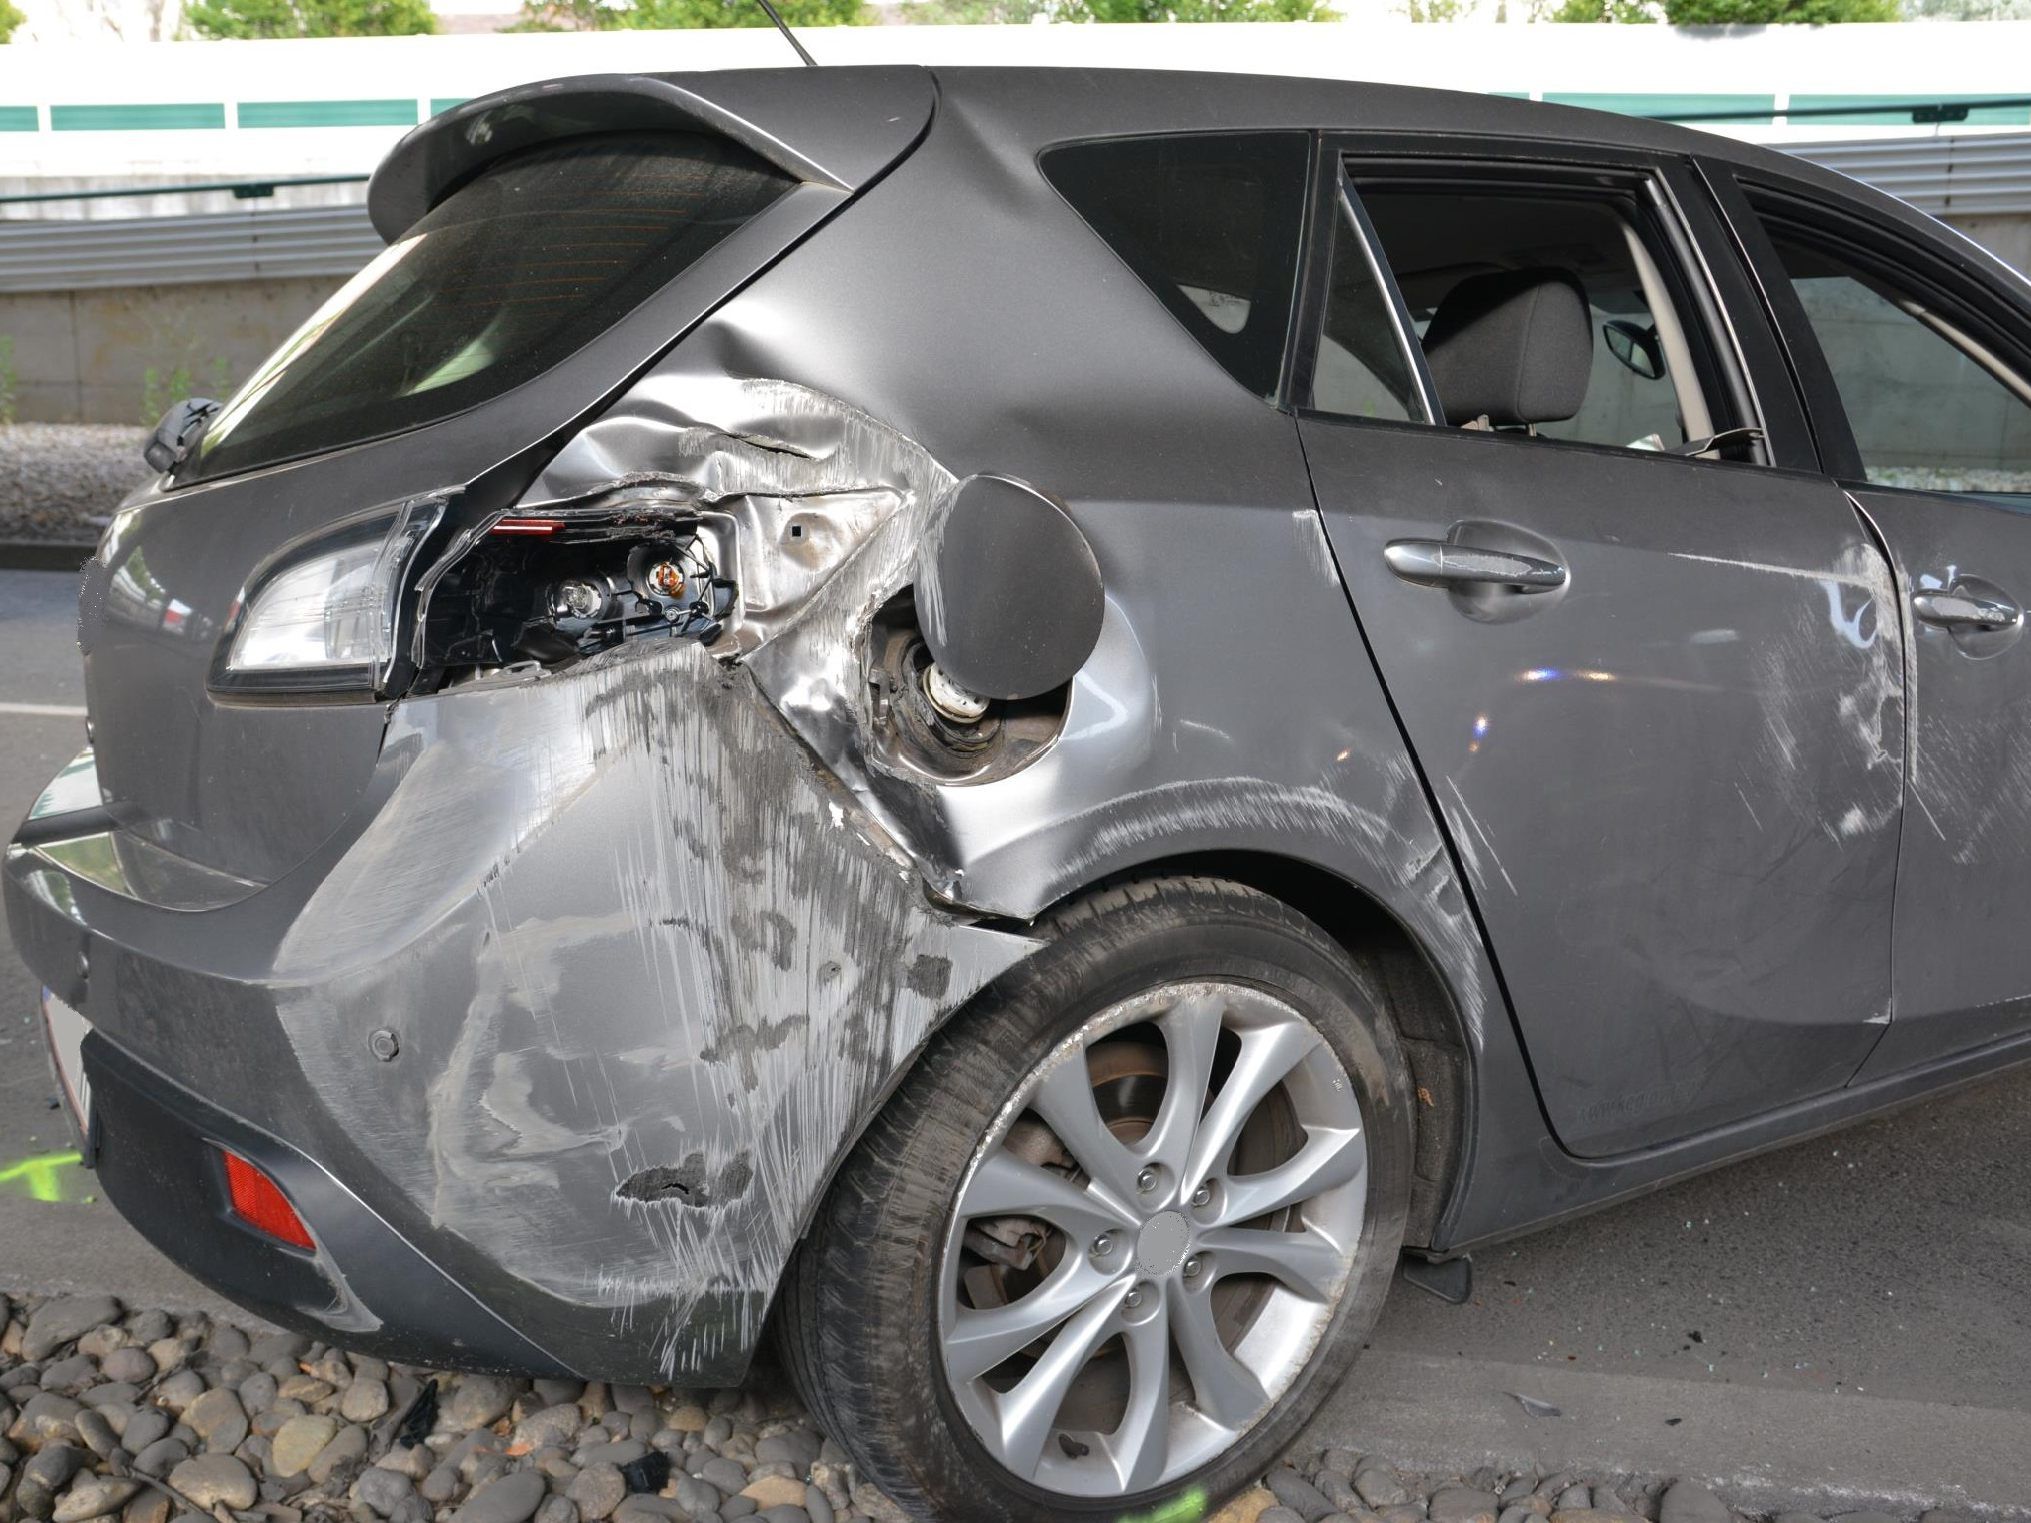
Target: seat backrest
[1514,346]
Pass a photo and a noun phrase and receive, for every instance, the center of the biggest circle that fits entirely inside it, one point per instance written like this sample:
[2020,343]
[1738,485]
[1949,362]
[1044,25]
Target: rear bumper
[576,1016]
[157,1150]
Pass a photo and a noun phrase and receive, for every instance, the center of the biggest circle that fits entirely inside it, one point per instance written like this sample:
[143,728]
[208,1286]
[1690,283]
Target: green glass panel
[153,117]
[327,113]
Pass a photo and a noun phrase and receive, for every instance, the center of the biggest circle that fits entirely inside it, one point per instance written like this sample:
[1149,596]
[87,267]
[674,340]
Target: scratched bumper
[646,974]
[157,1152]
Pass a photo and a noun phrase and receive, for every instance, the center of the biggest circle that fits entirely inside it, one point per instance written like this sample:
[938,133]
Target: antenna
[788,35]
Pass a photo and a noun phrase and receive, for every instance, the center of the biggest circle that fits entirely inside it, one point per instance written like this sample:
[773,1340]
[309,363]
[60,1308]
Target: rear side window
[1931,408]
[508,275]
[1210,224]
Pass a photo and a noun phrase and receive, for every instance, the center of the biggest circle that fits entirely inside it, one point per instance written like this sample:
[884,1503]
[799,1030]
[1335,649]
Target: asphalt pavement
[1845,1320]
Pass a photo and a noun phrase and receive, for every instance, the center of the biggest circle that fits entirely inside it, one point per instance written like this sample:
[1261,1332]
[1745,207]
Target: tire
[887,1286]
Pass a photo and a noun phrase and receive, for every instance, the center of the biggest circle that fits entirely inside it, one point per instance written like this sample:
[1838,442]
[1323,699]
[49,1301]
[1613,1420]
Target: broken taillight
[560,587]
[259,1202]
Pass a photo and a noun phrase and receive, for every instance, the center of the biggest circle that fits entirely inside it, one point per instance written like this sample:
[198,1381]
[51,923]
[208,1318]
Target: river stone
[597,1490]
[46,1418]
[724,1475]
[149,1505]
[218,1418]
[1462,1504]
[687,1419]
[1298,1494]
[364,1401]
[179,1391]
[69,1377]
[382,1490]
[551,1425]
[694,1495]
[213,1480]
[93,1497]
[298,1441]
[144,1428]
[64,1319]
[97,1433]
[440,1485]
[1379,1486]
[774,1491]
[347,1445]
[160,1457]
[507,1499]
[478,1401]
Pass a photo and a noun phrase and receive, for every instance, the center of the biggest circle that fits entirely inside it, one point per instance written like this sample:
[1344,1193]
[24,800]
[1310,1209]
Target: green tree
[1625,12]
[236,19]
[979,12]
[10,18]
[1200,10]
[656,15]
[1775,12]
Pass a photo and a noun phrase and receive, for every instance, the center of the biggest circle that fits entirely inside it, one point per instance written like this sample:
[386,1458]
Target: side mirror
[1636,346]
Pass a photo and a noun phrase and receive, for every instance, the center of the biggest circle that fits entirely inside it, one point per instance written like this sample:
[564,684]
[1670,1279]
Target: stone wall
[85,356]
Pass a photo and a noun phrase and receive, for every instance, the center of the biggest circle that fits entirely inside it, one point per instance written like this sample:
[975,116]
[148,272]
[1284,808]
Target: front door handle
[1957,608]
[1438,563]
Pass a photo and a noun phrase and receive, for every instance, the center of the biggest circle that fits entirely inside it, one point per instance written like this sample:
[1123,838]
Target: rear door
[1916,354]
[1673,768]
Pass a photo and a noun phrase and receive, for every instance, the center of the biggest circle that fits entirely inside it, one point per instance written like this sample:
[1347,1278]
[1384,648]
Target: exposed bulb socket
[577,598]
[951,700]
[666,580]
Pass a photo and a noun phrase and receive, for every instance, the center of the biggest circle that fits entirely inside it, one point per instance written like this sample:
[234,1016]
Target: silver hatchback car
[1030,723]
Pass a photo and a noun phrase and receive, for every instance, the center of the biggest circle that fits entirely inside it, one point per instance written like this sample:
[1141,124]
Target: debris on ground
[111,1415]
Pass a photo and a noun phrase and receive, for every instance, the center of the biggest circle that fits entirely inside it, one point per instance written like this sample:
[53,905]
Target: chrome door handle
[1958,609]
[1437,563]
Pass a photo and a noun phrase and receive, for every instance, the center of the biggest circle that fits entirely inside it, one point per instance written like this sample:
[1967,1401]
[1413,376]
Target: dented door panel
[1674,781]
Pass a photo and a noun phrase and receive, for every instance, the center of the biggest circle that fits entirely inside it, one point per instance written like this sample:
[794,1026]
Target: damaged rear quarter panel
[691,970]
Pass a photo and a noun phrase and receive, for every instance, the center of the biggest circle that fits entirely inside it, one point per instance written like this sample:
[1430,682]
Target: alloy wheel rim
[1136,1267]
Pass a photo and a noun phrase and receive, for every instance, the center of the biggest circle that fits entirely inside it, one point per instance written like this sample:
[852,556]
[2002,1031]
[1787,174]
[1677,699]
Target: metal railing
[205,248]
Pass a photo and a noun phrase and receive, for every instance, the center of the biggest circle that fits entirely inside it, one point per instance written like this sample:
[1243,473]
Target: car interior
[1538,312]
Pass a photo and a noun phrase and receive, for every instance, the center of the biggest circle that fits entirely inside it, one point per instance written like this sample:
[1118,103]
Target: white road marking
[45,710]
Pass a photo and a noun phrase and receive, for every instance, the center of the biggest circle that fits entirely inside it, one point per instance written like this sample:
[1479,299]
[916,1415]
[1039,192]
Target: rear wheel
[1123,1226]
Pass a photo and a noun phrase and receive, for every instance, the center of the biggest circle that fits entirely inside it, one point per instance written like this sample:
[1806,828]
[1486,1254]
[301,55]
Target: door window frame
[1933,269]
[1750,383]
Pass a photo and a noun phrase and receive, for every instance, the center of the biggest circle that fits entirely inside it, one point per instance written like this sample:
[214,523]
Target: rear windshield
[507,276]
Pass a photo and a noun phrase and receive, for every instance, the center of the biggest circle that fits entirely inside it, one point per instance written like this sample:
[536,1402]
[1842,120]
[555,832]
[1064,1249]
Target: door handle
[1437,563]
[1956,608]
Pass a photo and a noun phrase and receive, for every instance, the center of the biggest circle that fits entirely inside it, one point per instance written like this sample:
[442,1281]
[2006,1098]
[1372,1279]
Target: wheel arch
[1421,1005]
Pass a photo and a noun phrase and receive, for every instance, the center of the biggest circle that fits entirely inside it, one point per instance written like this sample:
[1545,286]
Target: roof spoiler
[832,127]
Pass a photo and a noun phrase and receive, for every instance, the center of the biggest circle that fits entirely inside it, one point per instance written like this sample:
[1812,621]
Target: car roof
[846,124]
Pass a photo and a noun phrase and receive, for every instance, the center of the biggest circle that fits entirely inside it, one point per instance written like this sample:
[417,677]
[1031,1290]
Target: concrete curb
[43,554]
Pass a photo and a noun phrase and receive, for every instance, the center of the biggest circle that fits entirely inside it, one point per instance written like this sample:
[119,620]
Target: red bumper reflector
[260,1203]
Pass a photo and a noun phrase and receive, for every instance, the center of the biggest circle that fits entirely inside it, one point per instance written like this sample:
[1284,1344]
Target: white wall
[1897,58]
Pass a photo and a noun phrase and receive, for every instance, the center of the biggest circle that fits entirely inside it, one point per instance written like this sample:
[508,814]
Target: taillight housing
[323,616]
[259,1202]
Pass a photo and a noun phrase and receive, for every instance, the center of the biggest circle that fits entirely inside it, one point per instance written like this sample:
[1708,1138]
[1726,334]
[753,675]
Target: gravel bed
[57,478]
[145,1417]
